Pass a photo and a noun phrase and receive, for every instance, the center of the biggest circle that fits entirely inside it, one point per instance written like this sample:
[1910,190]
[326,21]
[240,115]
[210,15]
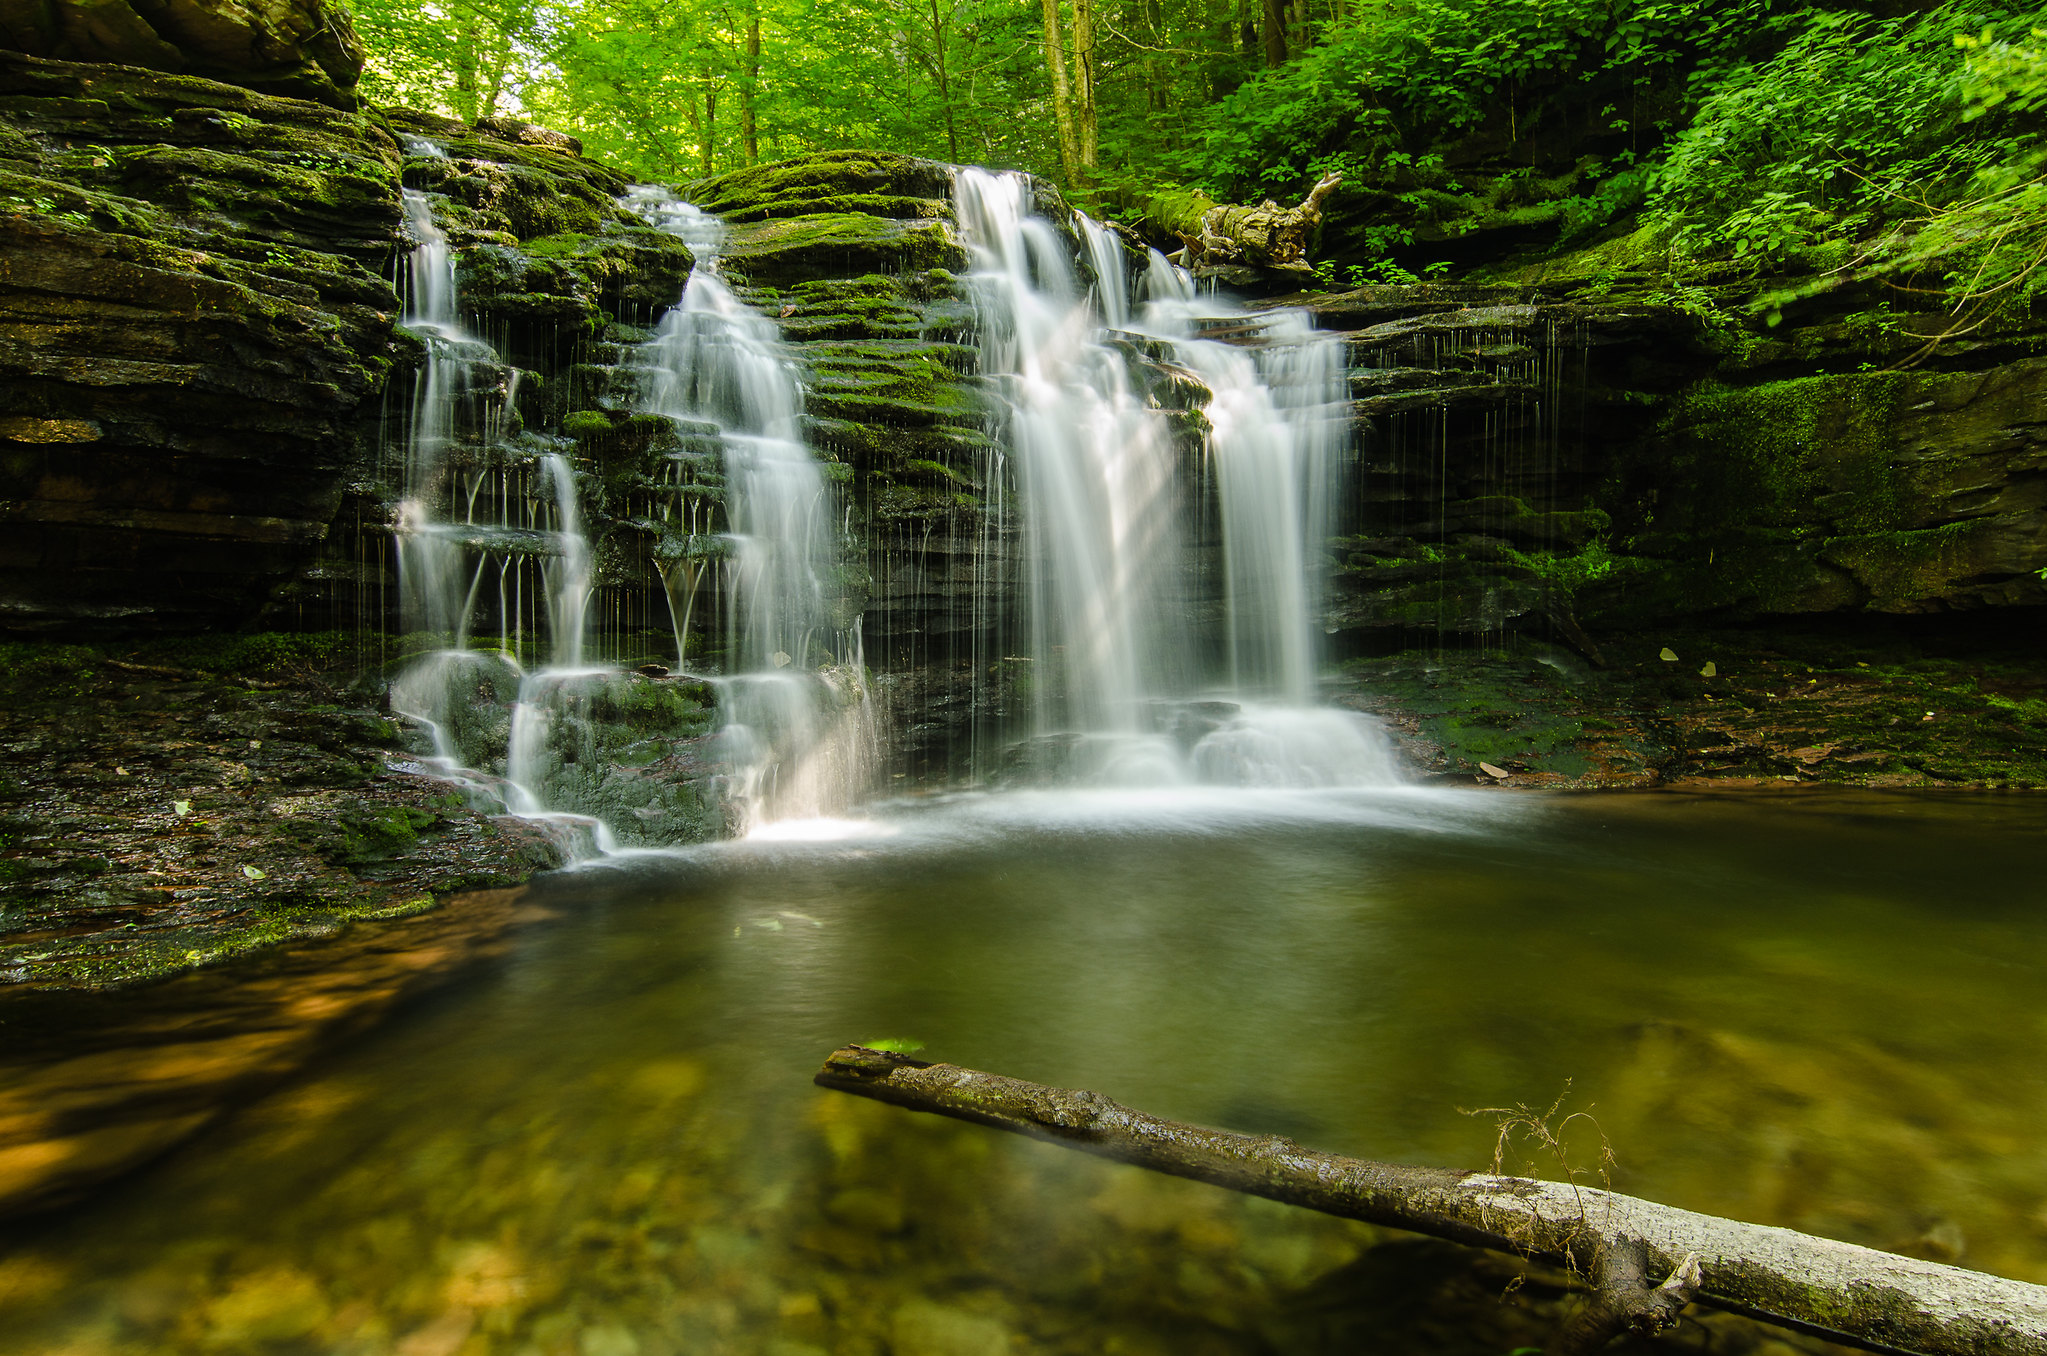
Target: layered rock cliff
[195,336]
[210,385]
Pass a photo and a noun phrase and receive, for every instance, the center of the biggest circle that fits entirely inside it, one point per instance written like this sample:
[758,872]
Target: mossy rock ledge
[195,333]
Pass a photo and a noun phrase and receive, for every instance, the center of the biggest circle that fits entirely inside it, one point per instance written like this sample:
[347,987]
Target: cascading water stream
[1278,414]
[1095,470]
[1101,489]
[1121,682]
[799,723]
[451,692]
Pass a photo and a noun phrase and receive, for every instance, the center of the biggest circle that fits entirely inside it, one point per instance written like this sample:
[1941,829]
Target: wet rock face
[546,252]
[199,330]
[303,49]
[195,330]
[558,280]
[1529,462]
[1885,492]
[857,255]
[1488,421]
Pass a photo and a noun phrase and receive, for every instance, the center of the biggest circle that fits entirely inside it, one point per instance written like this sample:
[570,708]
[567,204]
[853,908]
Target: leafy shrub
[1404,73]
[1909,138]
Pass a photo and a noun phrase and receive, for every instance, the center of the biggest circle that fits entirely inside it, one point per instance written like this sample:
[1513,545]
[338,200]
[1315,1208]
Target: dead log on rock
[1853,1295]
[1266,236]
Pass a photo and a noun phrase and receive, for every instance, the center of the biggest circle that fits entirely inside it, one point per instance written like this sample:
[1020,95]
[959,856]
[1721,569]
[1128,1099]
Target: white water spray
[1103,494]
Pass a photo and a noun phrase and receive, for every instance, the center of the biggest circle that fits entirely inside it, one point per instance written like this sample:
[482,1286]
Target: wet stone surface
[155,817]
[1742,707]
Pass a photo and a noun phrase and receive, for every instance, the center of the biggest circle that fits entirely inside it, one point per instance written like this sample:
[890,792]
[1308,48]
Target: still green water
[1824,1013]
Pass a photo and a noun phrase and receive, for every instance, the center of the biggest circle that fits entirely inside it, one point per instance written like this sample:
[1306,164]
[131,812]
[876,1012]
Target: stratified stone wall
[302,49]
[195,332]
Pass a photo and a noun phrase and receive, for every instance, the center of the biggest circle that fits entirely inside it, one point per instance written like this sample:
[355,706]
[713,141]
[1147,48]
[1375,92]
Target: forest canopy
[1773,135]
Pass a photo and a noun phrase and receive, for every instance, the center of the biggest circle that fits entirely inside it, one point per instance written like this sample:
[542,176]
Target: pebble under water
[1822,1012]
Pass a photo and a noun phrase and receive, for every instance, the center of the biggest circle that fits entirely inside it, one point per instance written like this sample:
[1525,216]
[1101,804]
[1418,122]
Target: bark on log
[1266,236]
[1876,1300]
[1213,234]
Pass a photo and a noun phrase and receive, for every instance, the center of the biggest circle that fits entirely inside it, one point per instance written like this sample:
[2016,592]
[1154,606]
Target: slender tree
[749,88]
[1086,114]
[1274,29]
[1062,94]
[939,22]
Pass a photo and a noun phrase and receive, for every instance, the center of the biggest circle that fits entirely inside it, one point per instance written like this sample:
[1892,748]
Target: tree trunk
[749,127]
[1274,29]
[1062,97]
[1087,130]
[952,135]
[465,70]
[708,142]
[1845,1293]
[500,67]
[1266,236]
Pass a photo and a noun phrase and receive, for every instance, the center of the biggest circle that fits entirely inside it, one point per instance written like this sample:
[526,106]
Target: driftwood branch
[1876,1300]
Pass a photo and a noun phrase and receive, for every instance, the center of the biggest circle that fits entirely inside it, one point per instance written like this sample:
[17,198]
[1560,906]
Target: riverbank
[1955,703]
[171,804]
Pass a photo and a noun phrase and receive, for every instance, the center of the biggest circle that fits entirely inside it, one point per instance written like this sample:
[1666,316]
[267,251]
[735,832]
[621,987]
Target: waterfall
[568,572]
[1104,491]
[601,756]
[1095,470]
[1135,514]
[461,416]
[799,721]
[1278,414]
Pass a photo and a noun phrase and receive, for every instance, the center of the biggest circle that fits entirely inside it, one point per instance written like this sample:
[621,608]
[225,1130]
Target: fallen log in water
[1858,1296]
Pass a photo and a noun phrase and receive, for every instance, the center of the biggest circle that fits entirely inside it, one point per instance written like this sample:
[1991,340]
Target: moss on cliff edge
[798,186]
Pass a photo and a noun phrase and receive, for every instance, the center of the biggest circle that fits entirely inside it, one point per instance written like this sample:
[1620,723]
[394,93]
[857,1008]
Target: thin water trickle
[462,412]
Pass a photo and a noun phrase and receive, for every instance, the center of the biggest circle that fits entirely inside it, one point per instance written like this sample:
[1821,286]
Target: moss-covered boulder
[877,183]
[834,214]
[304,49]
[575,282]
[839,245]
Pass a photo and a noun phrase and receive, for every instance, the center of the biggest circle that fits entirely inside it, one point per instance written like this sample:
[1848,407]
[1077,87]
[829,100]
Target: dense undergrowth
[1801,147]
